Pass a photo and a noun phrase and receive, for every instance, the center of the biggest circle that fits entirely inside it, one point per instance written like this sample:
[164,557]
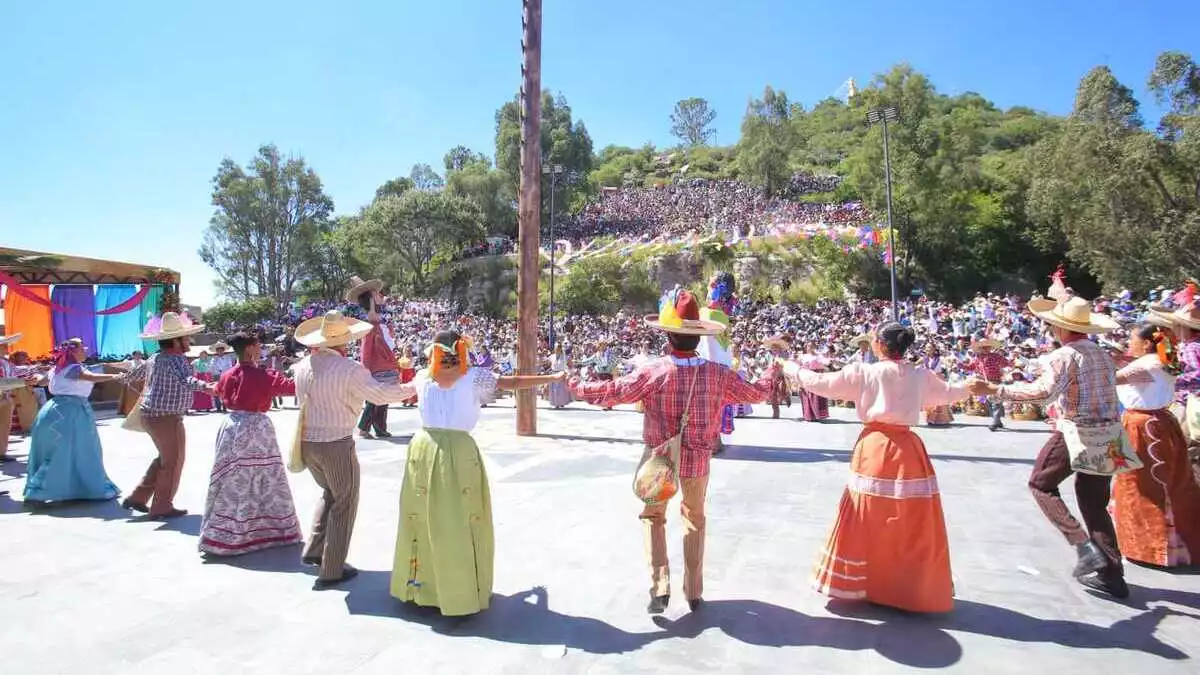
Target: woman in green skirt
[444,546]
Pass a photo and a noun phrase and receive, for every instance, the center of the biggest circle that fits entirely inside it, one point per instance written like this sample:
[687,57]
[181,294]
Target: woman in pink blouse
[888,545]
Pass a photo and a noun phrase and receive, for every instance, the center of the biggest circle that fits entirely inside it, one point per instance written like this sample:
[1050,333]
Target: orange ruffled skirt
[1156,509]
[888,545]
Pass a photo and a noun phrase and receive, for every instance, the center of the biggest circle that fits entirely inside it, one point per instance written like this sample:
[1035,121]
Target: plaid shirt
[1081,378]
[991,366]
[662,387]
[170,382]
[1188,381]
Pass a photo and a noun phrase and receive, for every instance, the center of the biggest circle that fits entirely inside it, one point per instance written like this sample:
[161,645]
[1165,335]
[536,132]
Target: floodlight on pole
[554,172]
[883,116]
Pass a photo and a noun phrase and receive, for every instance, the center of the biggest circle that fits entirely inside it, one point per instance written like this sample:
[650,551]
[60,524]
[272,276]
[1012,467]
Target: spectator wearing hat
[375,353]
[989,365]
[221,362]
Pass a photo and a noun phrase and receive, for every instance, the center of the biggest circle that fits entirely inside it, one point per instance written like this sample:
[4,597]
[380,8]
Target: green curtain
[148,309]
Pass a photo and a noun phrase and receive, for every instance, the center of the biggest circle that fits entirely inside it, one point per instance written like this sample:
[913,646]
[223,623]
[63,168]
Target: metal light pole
[883,116]
[554,172]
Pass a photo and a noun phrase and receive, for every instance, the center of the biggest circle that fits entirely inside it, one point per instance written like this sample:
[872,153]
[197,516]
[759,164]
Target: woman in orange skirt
[1156,509]
[888,545]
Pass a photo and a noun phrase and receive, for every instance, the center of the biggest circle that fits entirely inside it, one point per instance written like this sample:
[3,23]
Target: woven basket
[1027,413]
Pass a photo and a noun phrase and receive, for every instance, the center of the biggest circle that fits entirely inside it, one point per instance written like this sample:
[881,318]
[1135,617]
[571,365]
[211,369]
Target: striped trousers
[654,518]
[334,467]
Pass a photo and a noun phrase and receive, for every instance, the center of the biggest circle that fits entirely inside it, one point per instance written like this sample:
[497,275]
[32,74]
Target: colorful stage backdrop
[108,318]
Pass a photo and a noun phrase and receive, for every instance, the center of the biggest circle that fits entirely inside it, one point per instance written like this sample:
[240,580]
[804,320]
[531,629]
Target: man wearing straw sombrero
[679,387]
[376,353]
[1185,321]
[989,365]
[330,387]
[1080,377]
[166,398]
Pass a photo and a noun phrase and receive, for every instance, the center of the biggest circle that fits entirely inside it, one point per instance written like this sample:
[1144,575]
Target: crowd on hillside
[695,206]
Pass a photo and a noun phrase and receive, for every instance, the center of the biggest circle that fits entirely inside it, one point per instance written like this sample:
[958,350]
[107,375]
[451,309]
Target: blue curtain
[78,324]
[117,334]
[148,310]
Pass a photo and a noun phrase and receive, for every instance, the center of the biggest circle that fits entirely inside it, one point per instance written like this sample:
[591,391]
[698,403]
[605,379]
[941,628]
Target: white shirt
[455,408]
[1156,394]
[331,388]
[67,382]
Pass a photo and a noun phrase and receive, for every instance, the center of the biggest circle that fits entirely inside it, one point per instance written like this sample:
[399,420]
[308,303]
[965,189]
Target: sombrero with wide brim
[985,343]
[11,383]
[776,342]
[1188,317]
[173,327]
[687,326]
[1075,314]
[333,329]
[196,352]
[9,339]
[356,287]
[859,339]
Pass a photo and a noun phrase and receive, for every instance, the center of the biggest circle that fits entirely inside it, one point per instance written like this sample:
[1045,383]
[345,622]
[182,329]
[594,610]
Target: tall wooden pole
[529,212]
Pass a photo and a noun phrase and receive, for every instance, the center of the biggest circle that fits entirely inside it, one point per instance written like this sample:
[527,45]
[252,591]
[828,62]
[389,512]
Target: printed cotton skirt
[888,545]
[444,543]
[249,505]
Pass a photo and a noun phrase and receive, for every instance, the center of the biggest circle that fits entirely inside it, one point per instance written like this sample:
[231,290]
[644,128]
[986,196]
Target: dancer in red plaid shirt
[989,365]
[662,387]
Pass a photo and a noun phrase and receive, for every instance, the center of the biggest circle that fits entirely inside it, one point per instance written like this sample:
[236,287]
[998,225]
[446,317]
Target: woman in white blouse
[444,544]
[1157,507]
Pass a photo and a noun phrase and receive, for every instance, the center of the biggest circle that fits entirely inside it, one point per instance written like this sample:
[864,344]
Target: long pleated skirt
[813,406]
[889,545]
[65,459]
[249,505]
[444,543]
[1156,509]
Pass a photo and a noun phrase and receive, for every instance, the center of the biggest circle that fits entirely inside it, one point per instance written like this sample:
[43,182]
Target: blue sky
[114,115]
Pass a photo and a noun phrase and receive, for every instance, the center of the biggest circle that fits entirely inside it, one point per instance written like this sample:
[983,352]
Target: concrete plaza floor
[88,589]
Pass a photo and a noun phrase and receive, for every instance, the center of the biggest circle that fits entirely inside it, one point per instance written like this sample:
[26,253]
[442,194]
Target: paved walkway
[87,589]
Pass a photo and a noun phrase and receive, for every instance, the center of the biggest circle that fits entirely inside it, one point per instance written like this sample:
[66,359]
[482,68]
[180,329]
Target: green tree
[267,217]
[488,189]
[692,120]
[424,178]
[394,187]
[407,238]
[564,140]
[767,140]
[239,314]
[460,157]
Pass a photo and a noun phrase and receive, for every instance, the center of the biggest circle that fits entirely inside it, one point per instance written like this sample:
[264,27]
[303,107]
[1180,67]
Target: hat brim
[859,339]
[689,327]
[309,333]
[776,342]
[1097,323]
[171,335]
[9,339]
[988,343]
[356,290]
[1162,313]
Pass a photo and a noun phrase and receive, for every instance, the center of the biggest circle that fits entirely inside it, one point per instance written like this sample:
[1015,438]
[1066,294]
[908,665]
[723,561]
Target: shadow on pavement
[521,618]
[284,559]
[107,509]
[917,644]
[1134,634]
[596,439]
[189,524]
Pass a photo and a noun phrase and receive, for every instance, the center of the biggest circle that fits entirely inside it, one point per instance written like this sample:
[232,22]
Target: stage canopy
[104,302]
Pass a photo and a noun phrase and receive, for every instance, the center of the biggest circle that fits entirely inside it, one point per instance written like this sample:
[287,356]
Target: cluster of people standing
[888,544]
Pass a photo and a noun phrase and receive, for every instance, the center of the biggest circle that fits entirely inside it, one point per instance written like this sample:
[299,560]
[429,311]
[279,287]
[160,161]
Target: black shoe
[1115,587]
[312,560]
[1091,559]
[134,506]
[695,604]
[382,434]
[658,604]
[6,458]
[348,573]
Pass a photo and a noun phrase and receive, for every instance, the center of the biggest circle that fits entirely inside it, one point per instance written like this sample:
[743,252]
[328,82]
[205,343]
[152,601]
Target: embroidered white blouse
[67,382]
[1147,386]
[455,407]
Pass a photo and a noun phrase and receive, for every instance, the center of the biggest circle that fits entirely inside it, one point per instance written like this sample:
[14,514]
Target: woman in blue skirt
[65,460]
